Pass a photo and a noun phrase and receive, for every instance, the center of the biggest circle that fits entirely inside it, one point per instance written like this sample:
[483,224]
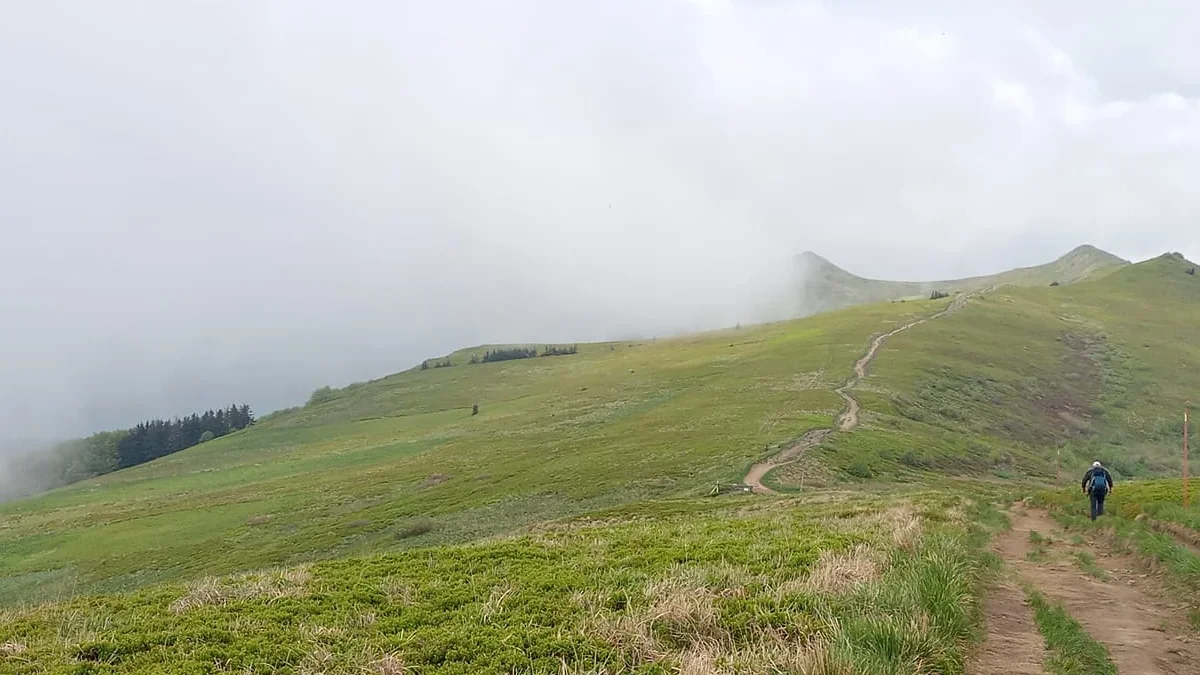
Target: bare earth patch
[1013,645]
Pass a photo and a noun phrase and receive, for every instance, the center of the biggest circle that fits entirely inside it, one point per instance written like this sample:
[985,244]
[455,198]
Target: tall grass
[918,618]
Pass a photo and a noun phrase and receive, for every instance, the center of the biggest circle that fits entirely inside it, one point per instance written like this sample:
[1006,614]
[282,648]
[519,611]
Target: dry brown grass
[839,572]
[267,585]
[76,627]
[632,634]
[589,600]
[679,626]
[676,605]
[318,662]
[322,661]
[494,605]
[398,591]
[389,664]
[903,522]
[770,655]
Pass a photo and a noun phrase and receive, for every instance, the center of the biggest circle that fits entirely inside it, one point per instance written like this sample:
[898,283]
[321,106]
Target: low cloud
[217,202]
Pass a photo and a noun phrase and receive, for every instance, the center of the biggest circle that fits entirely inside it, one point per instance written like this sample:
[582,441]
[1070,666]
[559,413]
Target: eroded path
[849,417]
[809,440]
[1128,610]
[1013,645]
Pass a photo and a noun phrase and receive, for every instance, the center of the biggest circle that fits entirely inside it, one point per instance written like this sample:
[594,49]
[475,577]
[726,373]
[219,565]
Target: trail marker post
[1186,499]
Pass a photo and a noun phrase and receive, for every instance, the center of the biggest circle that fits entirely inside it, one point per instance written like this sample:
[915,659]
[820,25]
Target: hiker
[1097,483]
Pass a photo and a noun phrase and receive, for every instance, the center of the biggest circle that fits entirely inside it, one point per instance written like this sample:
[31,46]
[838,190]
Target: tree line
[158,438]
[511,353]
[108,451]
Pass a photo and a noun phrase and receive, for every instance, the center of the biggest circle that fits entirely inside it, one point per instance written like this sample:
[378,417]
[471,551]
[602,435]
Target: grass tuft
[1041,547]
[1072,650]
[1087,563]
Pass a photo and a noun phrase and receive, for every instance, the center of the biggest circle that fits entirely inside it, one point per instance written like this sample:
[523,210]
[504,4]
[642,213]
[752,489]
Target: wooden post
[1186,422]
[1058,468]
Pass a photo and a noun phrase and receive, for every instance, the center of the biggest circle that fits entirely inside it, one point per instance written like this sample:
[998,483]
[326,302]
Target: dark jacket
[1090,472]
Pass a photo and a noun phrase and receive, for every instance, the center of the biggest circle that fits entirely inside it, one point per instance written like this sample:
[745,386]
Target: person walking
[1097,484]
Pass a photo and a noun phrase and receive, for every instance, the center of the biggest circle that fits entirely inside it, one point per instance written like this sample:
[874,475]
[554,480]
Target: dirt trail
[1013,645]
[1129,612]
[809,440]
[849,417]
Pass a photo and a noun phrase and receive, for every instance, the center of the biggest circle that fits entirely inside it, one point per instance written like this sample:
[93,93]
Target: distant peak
[1085,250]
[811,261]
[1089,251]
[811,257]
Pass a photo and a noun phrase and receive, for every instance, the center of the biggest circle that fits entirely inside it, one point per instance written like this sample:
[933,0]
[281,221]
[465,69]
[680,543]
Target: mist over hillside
[603,336]
[767,294]
[822,286]
[280,219]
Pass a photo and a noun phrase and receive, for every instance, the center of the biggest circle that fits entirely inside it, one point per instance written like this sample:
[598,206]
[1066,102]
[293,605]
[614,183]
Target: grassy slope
[707,586]
[1100,369]
[829,287]
[651,585]
[561,435]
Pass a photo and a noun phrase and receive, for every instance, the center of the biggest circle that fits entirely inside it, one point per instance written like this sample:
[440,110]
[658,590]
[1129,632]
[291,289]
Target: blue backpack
[1099,482]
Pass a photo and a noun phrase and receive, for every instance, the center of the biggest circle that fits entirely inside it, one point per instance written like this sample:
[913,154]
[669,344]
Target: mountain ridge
[823,286]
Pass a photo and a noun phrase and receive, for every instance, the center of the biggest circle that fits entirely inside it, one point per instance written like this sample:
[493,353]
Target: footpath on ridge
[848,420]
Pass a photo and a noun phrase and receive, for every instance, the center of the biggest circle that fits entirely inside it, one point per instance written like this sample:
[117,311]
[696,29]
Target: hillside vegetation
[823,286]
[1099,370]
[402,461]
[694,586]
[547,515]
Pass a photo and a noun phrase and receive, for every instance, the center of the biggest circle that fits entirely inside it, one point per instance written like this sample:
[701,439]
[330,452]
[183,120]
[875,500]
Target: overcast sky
[218,201]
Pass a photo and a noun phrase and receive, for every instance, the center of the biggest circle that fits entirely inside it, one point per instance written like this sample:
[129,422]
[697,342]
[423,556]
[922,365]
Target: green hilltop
[565,526]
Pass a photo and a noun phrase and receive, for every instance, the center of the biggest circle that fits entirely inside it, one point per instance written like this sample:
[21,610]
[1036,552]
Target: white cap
[1096,464]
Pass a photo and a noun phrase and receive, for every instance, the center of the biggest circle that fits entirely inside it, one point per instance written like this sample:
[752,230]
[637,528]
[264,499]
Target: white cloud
[1015,95]
[225,200]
